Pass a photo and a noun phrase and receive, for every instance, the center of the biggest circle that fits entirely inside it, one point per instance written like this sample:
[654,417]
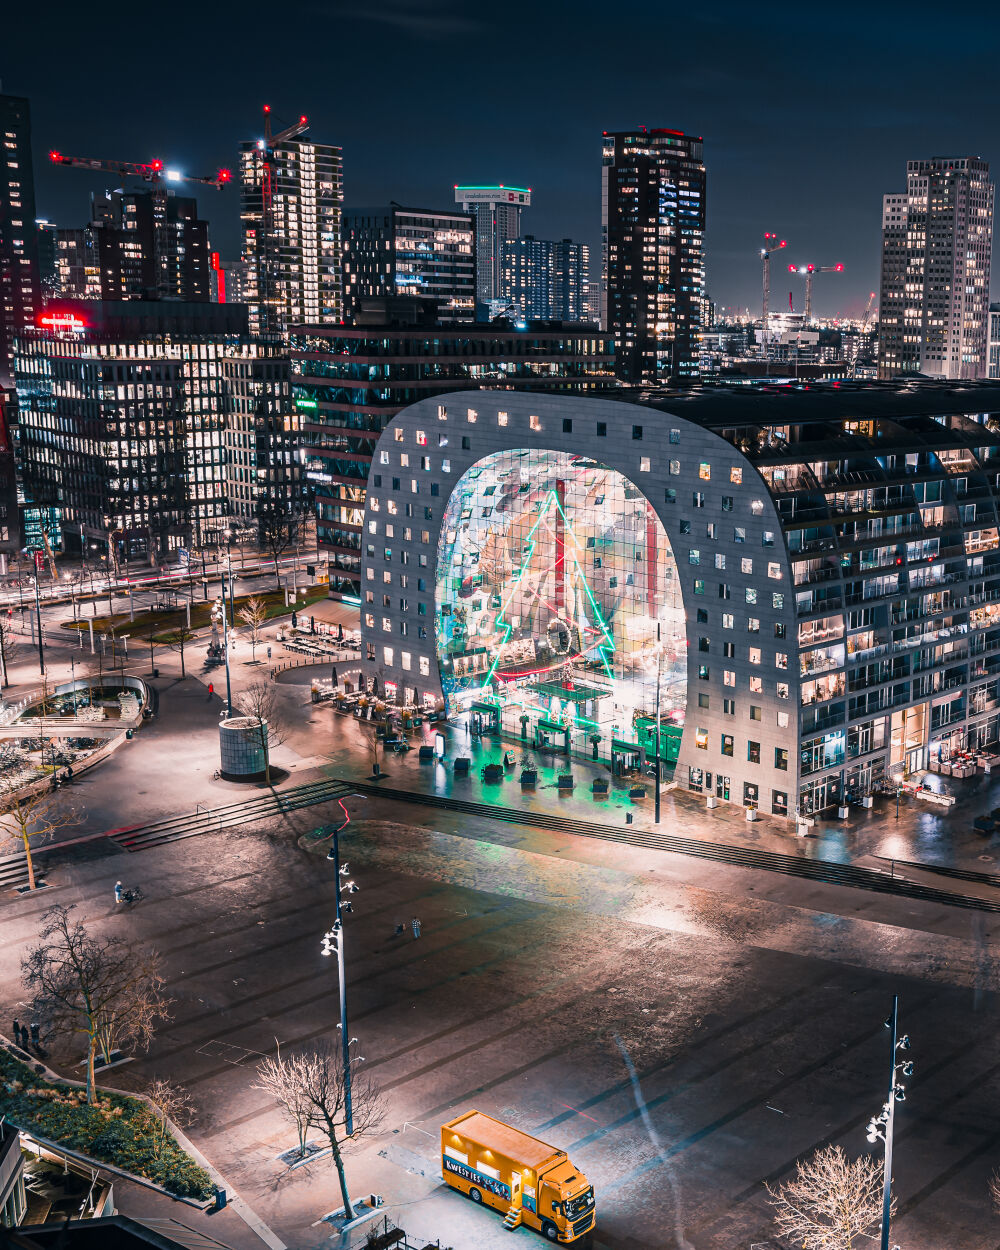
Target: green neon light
[305,403]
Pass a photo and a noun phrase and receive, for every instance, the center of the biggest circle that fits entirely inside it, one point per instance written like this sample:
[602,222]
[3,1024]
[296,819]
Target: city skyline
[734,89]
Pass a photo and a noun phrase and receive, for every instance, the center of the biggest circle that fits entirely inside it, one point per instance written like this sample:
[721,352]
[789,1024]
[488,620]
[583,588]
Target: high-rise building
[291,192]
[152,423]
[497,212]
[993,344]
[20,295]
[348,382]
[135,247]
[45,243]
[410,251]
[546,279]
[937,244]
[653,215]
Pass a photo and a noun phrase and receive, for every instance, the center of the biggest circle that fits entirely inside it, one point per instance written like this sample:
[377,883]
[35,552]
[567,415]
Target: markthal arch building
[796,592]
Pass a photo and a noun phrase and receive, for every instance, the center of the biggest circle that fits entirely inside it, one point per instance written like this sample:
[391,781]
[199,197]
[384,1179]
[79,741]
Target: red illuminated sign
[62,321]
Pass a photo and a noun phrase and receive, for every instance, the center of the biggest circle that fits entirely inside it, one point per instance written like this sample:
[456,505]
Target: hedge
[118,1130]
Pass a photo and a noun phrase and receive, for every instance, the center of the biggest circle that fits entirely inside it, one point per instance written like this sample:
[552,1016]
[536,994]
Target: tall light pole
[333,941]
[38,620]
[659,656]
[880,1127]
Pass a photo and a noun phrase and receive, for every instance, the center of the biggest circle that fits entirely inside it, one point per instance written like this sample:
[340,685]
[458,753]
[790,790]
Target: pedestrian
[211,690]
[269,653]
[400,930]
[415,926]
[17,1031]
[295,620]
[118,891]
[36,1034]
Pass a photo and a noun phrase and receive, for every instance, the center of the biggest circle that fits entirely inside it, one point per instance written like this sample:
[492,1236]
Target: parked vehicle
[532,1182]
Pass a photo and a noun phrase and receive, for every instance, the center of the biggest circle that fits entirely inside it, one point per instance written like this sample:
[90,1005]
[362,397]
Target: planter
[751,815]
[843,811]
[867,801]
[711,801]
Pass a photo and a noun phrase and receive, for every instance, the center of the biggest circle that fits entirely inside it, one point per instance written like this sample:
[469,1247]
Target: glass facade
[558,608]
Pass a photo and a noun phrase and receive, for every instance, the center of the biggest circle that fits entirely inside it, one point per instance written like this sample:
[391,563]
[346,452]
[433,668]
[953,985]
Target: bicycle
[133,895]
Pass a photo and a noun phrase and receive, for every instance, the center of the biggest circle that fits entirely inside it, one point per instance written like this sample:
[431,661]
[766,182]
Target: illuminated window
[535,422]
[704,471]
[421,438]
[780,659]
[387,655]
[753,624]
[405,659]
[757,507]
[753,752]
[728,678]
[774,571]
[703,672]
[425,666]
[472,416]
[756,685]
[727,620]
[755,655]
[782,720]
[782,690]
[777,600]
[739,534]
[746,565]
[736,475]
[675,467]
[398,434]
[781,759]
[727,744]
[720,560]
[701,739]
[502,419]
[751,594]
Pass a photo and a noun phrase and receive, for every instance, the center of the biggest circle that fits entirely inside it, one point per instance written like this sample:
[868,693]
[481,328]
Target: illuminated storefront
[558,609]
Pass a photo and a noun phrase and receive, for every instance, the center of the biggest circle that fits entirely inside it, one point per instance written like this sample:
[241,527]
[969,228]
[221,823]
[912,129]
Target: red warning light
[267,108]
[303,119]
[838,268]
[792,269]
[55,156]
[225,175]
[783,243]
[156,165]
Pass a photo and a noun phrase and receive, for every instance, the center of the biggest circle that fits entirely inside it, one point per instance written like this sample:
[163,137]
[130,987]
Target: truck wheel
[475,1195]
[550,1232]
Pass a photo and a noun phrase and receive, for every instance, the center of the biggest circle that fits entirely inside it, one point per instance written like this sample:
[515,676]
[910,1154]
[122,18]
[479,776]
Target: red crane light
[838,268]
[225,175]
[267,108]
[157,165]
[55,156]
[303,119]
[792,269]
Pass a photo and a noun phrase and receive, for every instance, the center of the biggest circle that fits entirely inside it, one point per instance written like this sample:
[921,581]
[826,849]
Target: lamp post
[221,608]
[333,942]
[880,1127]
[38,619]
[659,665]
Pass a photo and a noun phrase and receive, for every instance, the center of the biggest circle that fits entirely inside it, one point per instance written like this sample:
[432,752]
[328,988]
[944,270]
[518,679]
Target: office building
[937,245]
[497,213]
[810,582]
[20,294]
[545,279]
[653,219]
[151,423]
[349,382]
[410,251]
[45,246]
[993,344]
[10,525]
[291,193]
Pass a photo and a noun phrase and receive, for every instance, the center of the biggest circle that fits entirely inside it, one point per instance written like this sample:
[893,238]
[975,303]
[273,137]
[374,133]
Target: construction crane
[866,322]
[266,250]
[771,244]
[158,178]
[810,272]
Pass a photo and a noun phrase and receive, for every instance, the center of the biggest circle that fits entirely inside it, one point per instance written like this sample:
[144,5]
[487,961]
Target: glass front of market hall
[559,616]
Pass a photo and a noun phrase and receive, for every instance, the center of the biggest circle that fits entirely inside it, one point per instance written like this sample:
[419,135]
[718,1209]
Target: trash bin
[156,672]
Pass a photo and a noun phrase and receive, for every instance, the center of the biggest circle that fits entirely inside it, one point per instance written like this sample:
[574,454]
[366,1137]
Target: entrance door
[721,787]
[515,1189]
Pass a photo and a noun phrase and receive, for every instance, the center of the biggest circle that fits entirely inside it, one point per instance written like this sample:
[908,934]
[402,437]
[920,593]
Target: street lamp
[880,1127]
[217,610]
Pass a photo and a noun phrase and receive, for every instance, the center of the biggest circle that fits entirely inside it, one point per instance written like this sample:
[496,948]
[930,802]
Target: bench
[462,764]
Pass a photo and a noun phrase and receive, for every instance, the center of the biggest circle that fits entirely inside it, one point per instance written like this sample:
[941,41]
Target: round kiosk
[242,748]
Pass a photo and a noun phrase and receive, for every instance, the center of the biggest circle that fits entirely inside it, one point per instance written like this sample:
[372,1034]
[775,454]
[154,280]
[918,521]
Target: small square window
[777,600]
[421,438]
[694,556]
[782,720]
[727,744]
[701,739]
[636,432]
[753,624]
[781,759]
[729,707]
[502,419]
[702,616]
[472,416]
[703,700]
[753,752]
[757,507]
[685,526]
[602,429]
[675,468]
[767,538]
[675,436]
[670,495]
[756,685]
[699,586]
[466,443]
[727,620]
[398,434]
[704,644]
[383,457]
[535,422]
[755,655]
[782,690]
[774,572]
[756,712]
[703,672]
[739,534]
[728,677]
[704,471]
[780,659]
[567,425]
[727,503]
[736,475]
[746,565]
[643,464]
[751,594]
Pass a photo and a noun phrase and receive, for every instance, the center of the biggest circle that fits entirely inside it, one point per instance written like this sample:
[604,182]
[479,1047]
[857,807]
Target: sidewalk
[940,836]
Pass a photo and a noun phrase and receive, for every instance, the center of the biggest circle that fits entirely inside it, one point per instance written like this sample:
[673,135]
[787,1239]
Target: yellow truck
[532,1182]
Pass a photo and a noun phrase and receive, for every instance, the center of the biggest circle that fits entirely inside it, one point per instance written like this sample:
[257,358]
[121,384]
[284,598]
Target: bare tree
[373,744]
[30,814]
[279,531]
[9,647]
[106,989]
[995,1190]
[182,635]
[253,614]
[315,1081]
[260,703]
[832,1202]
[171,1102]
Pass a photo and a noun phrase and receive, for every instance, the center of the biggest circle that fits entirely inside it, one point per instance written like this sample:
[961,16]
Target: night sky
[809,113]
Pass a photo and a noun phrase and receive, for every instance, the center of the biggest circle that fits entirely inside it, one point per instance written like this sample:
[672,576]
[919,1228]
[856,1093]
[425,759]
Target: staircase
[513,1219]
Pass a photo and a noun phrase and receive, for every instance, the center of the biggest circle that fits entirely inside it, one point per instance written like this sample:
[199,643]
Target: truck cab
[566,1198]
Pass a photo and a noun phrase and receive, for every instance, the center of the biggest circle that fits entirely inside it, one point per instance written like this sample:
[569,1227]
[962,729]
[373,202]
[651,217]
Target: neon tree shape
[605,642]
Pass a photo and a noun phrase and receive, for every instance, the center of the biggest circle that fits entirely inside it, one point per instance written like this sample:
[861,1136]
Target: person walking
[118,891]
[211,691]
[269,653]
[36,1034]
[17,1032]
[415,926]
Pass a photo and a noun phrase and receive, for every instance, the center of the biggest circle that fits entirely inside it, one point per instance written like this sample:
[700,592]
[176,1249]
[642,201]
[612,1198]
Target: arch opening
[559,617]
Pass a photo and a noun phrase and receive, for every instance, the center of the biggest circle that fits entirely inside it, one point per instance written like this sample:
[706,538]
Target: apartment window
[502,419]
[675,436]
[727,503]
[567,425]
[756,712]
[703,672]
[727,744]
[472,416]
[698,499]
[399,434]
[694,556]
[535,422]
[779,630]
[774,572]
[720,560]
[756,685]
[369,620]
[421,437]
[404,459]
[753,752]
[670,495]
[753,625]
[637,431]
[757,507]
[751,793]
[729,650]
[703,700]
[675,468]
[643,464]
[725,590]
[779,803]
[704,644]
[699,586]
[780,659]
[782,720]
[466,443]
[739,534]
[701,739]
[777,601]
[442,440]
[711,530]
[755,655]
[728,620]
[602,429]
[729,707]
[383,458]
[387,655]
[736,475]
[728,677]
[702,616]
[685,526]
[705,471]
[782,690]
[767,538]
[781,759]
[751,594]
[425,666]
[746,564]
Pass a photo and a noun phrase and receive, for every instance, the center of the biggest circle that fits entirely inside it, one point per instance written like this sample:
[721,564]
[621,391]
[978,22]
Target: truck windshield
[582,1202]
